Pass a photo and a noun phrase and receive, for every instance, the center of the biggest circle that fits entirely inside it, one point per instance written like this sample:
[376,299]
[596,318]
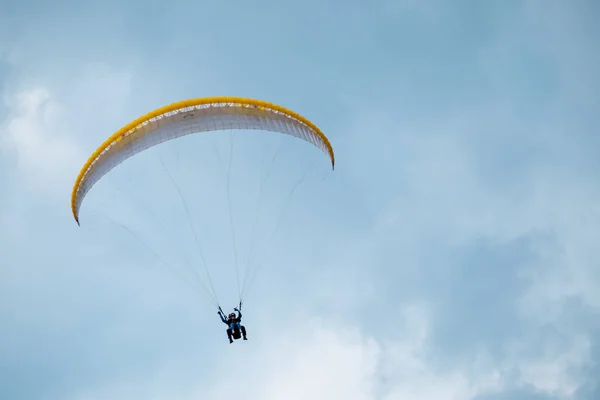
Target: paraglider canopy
[188,117]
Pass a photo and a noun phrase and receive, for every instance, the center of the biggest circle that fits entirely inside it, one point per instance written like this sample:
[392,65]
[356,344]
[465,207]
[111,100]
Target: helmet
[232,316]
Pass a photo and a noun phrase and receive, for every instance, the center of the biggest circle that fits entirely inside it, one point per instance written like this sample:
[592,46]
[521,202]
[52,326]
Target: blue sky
[452,254]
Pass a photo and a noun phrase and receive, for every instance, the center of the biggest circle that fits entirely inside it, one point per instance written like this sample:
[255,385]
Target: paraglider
[188,117]
[235,328]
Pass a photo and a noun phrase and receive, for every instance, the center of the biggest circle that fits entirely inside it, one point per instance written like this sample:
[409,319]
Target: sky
[451,254]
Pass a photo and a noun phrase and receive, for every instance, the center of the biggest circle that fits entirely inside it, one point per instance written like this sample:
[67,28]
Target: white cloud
[447,192]
[44,129]
[553,372]
[43,153]
[320,360]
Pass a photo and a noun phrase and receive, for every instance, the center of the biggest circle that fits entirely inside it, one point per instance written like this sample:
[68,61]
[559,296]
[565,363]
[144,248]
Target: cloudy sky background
[452,254]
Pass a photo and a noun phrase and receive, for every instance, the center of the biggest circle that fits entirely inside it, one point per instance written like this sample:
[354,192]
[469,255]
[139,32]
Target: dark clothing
[230,333]
[234,323]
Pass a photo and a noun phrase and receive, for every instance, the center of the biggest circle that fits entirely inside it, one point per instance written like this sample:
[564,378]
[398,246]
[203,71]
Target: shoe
[245,338]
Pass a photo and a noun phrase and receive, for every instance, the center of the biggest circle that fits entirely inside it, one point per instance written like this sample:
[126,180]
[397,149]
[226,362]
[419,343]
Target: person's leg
[244,332]
[229,335]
